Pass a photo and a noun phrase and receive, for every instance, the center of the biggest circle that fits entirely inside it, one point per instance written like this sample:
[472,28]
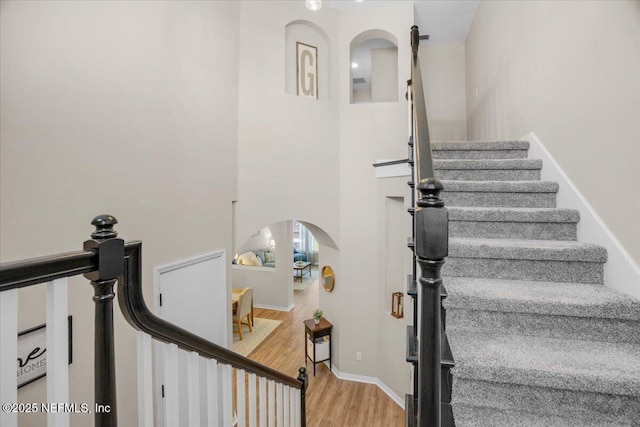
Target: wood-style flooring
[330,402]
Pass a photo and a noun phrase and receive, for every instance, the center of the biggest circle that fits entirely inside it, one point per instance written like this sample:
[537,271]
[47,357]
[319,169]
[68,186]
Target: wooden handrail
[424,157]
[20,274]
[431,247]
[104,260]
[141,318]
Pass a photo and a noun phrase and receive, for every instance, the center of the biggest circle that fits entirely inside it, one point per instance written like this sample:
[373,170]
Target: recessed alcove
[309,33]
[374,67]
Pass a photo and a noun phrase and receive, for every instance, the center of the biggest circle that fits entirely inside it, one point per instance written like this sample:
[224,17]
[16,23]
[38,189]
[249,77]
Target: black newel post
[432,246]
[110,251]
[304,379]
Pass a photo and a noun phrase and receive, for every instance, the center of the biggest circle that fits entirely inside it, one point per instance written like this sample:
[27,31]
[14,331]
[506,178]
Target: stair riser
[575,406]
[550,326]
[517,269]
[479,154]
[513,230]
[489,174]
[488,199]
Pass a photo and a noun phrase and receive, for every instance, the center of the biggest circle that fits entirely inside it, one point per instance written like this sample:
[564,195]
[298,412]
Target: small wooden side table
[313,331]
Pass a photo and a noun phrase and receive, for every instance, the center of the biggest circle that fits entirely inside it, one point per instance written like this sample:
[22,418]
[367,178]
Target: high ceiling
[444,20]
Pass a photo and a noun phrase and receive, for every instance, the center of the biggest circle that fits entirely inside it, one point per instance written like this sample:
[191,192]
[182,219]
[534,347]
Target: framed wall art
[307,70]
[32,354]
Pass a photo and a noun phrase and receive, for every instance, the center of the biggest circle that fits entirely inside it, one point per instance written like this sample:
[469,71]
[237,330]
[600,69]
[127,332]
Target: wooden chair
[238,291]
[243,309]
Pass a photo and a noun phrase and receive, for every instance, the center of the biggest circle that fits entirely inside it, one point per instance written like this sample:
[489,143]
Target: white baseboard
[274,307]
[620,271]
[369,380]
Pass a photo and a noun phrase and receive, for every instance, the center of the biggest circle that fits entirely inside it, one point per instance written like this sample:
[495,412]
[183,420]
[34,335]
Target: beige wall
[384,75]
[443,77]
[288,145]
[394,198]
[567,71]
[361,144]
[128,108]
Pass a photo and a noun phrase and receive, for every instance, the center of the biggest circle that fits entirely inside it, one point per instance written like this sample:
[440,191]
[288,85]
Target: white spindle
[8,354]
[145,380]
[253,406]
[171,385]
[212,393]
[292,407]
[279,405]
[272,403]
[262,393]
[296,407]
[287,407]
[57,350]
[240,398]
[193,385]
[227,398]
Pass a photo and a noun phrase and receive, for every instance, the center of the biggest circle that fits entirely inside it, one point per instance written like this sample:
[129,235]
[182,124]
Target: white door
[191,294]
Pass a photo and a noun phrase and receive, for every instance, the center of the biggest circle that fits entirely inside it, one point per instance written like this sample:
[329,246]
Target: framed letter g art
[307,70]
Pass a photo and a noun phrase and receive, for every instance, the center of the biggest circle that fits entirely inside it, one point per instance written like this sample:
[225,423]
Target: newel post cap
[110,249]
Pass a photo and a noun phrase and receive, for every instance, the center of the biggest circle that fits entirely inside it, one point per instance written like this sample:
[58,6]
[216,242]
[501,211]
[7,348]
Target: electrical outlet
[358,356]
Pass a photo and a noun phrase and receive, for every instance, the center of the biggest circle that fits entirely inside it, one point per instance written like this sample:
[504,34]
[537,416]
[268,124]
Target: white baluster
[8,354]
[193,385]
[227,397]
[240,398]
[286,411]
[272,403]
[212,393]
[171,386]
[145,380]
[262,390]
[295,402]
[279,405]
[57,350]
[253,406]
[292,406]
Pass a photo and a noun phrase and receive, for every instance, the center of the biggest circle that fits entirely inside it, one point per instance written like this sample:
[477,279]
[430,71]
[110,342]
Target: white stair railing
[57,355]
[204,394]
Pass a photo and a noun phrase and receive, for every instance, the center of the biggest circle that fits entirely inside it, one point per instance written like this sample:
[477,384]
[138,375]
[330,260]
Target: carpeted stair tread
[479,145]
[501,186]
[478,416]
[548,250]
[599,367]
[487,164]
[505,214]
[549,298]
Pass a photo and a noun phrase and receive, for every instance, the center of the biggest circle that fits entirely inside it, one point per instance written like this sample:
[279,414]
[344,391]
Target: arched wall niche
[309,33]
[373,67]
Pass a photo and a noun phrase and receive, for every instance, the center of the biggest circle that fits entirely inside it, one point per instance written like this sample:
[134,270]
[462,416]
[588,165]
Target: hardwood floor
[330,402]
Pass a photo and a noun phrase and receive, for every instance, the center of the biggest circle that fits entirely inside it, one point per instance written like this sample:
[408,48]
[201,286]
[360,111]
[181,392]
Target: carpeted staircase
[538,340]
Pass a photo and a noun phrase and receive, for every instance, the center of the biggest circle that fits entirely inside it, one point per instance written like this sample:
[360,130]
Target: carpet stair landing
[537,339]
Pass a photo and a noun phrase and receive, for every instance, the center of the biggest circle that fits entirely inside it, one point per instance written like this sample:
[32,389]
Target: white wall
[260,240]
[395,227]
[288,145]
[272,287]
[128,108]
[361,143]
[384,75]
[443,77]
[567,71]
